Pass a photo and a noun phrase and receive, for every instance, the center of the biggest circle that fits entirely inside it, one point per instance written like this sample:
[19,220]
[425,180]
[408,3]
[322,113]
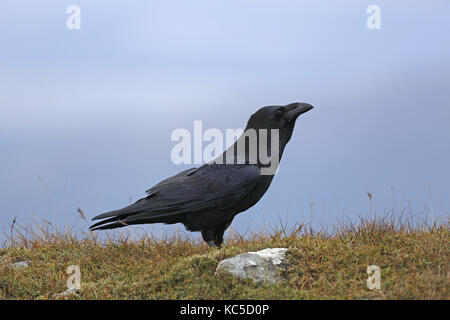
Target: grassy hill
[414,264]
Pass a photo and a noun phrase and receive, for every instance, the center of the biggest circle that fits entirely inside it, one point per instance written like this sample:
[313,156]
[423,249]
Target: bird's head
[267,133]
[278,117]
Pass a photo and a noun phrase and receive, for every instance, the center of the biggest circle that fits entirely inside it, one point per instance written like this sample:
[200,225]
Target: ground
[413,262]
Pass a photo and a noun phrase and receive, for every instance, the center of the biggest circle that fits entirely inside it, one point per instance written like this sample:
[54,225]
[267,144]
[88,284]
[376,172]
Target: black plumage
[207,198]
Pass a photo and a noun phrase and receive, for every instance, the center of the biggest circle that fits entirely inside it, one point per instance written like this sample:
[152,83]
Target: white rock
[69,291]
[264,265]
[20,264]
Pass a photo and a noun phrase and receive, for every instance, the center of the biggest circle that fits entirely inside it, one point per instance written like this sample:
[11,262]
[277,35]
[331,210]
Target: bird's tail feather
[102,224]
[108,214]
[136,218]
[114,225]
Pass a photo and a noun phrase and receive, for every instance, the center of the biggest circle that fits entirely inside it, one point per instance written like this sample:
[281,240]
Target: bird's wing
[210,187]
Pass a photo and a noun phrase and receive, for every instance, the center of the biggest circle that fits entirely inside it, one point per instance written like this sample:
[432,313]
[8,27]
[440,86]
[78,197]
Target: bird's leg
[208,237]
[211,243]
[218,237]
[213,237]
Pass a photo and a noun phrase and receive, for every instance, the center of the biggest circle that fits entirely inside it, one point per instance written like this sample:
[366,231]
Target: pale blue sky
[91,111]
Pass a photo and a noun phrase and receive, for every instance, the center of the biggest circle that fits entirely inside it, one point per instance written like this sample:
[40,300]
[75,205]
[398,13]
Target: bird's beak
[296,109]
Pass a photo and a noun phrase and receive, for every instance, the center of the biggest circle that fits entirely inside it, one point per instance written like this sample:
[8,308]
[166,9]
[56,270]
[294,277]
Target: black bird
[207,198]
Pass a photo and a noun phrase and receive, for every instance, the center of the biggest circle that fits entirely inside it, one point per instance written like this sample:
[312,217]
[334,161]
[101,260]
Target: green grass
[414,264]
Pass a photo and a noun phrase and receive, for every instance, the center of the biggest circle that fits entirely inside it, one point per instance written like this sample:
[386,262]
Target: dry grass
[414,263]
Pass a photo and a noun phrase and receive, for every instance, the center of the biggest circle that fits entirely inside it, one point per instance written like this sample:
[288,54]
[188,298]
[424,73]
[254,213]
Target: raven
[207,198]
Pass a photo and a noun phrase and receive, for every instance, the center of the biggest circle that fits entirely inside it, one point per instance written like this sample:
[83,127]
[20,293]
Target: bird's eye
[279,113]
